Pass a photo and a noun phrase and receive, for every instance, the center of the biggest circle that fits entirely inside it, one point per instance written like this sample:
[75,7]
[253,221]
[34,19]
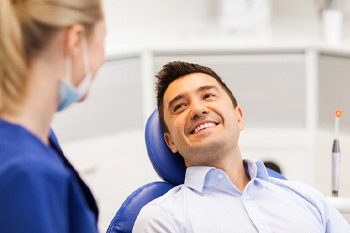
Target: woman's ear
[73,39]
[170,142]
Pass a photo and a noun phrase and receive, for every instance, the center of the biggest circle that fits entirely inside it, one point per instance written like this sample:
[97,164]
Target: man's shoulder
[304,190]
[169,196]
[294,185]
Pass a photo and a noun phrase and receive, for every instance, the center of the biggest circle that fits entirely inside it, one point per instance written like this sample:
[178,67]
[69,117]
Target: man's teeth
[206,125]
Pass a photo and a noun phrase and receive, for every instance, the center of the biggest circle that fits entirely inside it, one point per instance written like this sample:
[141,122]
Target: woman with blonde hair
[50,51]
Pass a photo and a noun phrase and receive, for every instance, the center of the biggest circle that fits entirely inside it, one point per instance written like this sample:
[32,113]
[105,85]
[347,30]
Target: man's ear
[73,39]
[170,142]
[240,117]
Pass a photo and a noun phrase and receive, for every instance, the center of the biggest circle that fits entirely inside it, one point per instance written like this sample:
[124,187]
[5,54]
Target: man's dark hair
[177,69]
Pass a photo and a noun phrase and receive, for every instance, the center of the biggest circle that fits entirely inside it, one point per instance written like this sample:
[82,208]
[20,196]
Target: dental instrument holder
[335,167]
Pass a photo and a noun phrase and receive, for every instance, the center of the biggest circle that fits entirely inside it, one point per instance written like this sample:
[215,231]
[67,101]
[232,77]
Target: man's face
[202,121]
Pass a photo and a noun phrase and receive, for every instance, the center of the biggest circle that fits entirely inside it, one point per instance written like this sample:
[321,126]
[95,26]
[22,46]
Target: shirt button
[220,176]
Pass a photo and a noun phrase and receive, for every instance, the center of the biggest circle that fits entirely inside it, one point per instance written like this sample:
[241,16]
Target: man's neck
[234,167]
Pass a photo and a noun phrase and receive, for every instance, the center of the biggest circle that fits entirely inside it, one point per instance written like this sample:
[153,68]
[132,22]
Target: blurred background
[287,68]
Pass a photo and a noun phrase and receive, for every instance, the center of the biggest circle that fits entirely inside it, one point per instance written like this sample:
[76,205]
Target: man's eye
[208,95]
[178,106]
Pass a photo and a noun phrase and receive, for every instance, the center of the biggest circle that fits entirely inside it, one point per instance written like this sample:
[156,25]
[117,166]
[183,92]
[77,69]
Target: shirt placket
[254,212]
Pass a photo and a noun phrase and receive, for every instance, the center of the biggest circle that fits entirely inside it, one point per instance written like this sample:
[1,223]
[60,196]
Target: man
[222,192]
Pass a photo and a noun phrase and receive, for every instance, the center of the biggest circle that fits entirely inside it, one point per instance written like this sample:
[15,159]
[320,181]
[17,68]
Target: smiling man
[204,124]
[222,192]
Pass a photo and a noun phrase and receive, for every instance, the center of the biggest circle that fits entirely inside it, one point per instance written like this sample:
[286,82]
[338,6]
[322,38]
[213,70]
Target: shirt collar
[196,175]
[255,169]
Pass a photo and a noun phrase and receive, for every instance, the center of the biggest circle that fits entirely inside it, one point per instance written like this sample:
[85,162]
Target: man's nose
[198,109]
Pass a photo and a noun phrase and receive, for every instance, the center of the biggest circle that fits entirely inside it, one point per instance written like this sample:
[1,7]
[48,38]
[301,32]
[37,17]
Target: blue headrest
[124,219]
[169,166]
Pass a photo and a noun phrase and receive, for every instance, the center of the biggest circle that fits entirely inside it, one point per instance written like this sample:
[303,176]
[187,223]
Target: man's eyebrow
[181,96]
[176,98]
[207,87]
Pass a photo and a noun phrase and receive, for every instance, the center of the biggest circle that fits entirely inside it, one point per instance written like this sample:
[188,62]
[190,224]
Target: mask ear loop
[85,54]
[85,84]
[68,75]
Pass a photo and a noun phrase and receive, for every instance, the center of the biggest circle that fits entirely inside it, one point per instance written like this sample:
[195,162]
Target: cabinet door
[113,105]
[334,91]
[269,87]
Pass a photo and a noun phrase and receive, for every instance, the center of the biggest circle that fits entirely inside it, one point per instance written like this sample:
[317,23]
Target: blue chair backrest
[125,217]
[169,166]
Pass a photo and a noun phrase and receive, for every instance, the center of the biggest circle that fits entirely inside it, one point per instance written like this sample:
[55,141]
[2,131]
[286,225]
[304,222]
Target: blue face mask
[68,94]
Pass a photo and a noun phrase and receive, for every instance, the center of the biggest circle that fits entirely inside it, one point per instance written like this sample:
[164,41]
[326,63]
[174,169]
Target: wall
[151,14]
[130,21]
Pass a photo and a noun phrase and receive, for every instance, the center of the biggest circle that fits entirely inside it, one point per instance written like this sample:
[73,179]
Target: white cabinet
[334,90]
[271,89]
[333,93]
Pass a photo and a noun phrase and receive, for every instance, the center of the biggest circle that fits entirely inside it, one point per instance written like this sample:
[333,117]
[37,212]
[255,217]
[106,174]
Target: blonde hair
[26,26]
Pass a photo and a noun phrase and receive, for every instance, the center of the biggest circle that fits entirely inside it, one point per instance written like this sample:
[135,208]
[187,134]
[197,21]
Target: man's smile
[203,126]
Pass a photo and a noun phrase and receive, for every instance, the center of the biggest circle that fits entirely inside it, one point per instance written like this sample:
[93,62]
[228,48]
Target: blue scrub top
[40,191]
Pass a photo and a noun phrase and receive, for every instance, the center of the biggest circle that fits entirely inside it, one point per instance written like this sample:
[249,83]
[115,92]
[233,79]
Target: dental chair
[170,168]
